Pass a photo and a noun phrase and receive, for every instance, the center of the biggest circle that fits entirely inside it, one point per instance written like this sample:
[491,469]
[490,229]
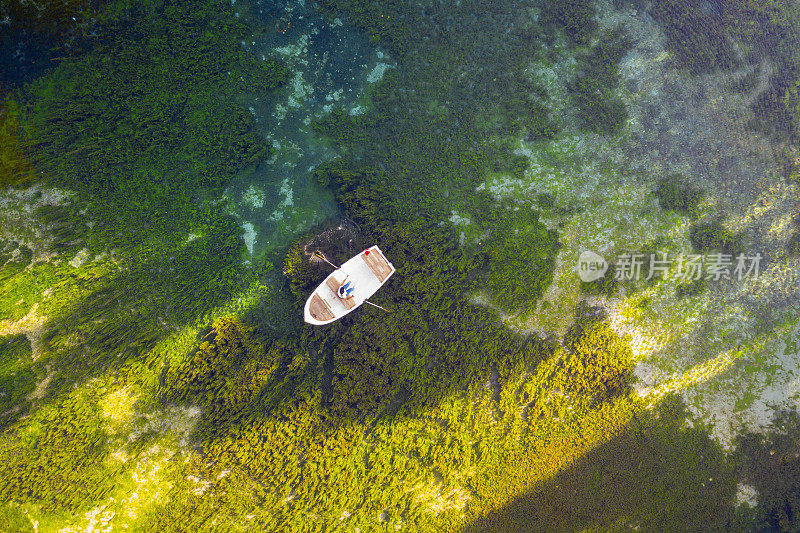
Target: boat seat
[320,309]
[333,285]
[378,264]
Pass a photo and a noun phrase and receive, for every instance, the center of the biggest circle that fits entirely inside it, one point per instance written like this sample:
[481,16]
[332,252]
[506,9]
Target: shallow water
[493,394]
[331,64]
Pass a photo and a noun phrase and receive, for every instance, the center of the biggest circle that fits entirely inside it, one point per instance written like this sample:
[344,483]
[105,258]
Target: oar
[317,253]
[376,305]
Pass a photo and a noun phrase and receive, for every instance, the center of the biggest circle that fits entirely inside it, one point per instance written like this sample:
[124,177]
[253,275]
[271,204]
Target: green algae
[598,363]
[575,17]
[692,288]
[146,133]
[26,289]
[695,34]
[675,194]
[123,314]
[713,236]
[17,375]
[519,251]
[711,36]
[71,473]
[15,167]
[16,520]
[769,29]
[769,464]
[382,421]
[594,88]
[14,257]
[645,477]
[156,118]
[67,17]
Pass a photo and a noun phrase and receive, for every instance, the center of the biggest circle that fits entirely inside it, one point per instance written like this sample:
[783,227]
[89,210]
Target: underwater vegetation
[770,30]
[176,387]
[574,17]
[793,246]
[50,16]
[675,194]
[710,36]
[628,483]
[598,362]
[14,257]
[696,32]
[402,172]
[15,167]
[790,163]
[35,34]
[146,132]
[121,307]
[713,236]
[222,374]
[770,464]
[143,126]
[604,286]
[572,398]
[518,250]
[434,337]
[389,23]
[594,88]
[56,457]
[339,243]
[17,378]
[482,85]
[691,288]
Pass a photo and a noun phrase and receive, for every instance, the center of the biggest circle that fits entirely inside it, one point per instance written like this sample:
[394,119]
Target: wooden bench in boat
[320,309]
[378,264]
[333,285]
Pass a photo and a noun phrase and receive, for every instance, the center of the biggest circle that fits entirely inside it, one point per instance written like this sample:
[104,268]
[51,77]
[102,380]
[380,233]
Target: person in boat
[346,290]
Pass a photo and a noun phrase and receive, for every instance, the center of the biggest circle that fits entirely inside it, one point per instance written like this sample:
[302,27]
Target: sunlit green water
[170,176]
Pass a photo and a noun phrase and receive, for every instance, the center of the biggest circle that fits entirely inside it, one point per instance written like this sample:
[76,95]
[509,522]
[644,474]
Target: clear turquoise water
[330,63]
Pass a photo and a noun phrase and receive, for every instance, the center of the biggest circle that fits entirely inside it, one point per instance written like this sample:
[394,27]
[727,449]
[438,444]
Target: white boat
[356,280]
